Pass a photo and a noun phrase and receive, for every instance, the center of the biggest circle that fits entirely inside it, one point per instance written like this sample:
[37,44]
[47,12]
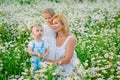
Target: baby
[37,47]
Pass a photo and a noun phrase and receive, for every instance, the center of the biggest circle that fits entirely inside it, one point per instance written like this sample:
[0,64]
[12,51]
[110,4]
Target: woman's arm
[69,52]
[53,61]
[46,53]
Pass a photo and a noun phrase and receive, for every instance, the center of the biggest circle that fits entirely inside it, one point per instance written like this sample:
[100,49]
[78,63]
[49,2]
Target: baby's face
[37,31]
[47,17]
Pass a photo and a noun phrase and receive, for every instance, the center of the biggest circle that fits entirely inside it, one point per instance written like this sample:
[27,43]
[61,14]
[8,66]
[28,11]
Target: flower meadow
[95,24]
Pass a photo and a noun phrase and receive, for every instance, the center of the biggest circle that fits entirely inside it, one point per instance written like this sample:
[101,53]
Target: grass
[96,30]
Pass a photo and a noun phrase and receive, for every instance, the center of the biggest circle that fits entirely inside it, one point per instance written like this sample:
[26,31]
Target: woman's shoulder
[71,38]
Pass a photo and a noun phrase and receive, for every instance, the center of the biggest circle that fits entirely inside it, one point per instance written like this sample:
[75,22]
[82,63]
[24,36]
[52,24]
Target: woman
[65,44]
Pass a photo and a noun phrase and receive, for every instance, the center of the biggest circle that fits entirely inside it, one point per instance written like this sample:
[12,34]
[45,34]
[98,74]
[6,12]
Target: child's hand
[39,55]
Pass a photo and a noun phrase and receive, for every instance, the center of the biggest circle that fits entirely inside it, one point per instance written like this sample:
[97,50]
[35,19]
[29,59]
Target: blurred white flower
[11,45]
[69,78]
[100,79]
[106,55]
[54,73]
[111,78]
[118,62]
[98,61]
[21,78]
[118,72]
[104,71]
[1,64]
[43,64]
[118,76]
[26,70]
[42,70]
[98,74]
[111,53]
[103,60]
[1,68]
[4,50]
[93,58]
[118,56]
[17,76]
[24,73]
[85,64]
[76,63]
[93,71]
[0,61]
[111,57]
[77,78]
[1,47]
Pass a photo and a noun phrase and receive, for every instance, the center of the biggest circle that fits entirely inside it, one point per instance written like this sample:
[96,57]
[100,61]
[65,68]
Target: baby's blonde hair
[63,20]
[39,25]
[49,11]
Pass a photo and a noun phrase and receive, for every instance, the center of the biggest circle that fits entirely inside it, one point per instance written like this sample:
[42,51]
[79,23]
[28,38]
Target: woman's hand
[44,56]
[52,61]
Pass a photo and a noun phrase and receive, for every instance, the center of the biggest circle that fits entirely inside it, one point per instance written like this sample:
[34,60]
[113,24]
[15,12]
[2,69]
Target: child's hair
[35,26]
[49,11]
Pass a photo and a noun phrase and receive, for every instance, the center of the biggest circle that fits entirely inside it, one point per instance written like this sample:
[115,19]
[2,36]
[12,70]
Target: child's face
[37,32]
[47,17]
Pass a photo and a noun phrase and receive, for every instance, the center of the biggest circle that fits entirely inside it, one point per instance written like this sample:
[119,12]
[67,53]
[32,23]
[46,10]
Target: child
[37,48]
[49,34]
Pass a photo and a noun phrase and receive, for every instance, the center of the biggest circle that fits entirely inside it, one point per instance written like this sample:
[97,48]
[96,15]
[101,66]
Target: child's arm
[46,53]
[33,53]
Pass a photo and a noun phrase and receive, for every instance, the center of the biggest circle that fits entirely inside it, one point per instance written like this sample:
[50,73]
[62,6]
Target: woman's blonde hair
[49,11]
[64,21]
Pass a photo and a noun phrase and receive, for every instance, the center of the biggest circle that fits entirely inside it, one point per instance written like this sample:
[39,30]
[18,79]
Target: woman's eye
[56,23]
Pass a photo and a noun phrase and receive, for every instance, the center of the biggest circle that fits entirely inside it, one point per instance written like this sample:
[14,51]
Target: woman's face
[57,25]
[47,17]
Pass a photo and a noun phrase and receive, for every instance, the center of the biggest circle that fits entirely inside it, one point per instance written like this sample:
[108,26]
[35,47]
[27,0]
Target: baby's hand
[39,55]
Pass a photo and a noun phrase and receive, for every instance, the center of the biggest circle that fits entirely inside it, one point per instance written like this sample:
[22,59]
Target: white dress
[60,53]
[49,37]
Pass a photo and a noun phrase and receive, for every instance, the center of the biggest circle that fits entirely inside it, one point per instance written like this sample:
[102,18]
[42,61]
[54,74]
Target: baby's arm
[46,53]
[33,53]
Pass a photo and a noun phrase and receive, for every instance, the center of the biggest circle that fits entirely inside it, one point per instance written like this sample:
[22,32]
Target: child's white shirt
[50,38]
